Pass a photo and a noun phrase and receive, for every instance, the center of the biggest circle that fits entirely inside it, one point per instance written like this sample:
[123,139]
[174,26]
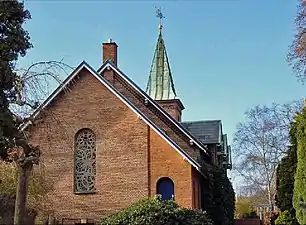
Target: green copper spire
[160,84]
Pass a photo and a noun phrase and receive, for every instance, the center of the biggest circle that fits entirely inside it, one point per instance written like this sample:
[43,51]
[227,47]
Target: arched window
[85,161]
[165,188]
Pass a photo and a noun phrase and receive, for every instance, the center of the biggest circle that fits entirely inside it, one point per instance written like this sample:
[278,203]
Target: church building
[107,143]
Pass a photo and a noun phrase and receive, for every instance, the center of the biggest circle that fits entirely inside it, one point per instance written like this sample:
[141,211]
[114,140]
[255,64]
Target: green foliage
[39,186]
[244,209]
[285,218]
[299,192]
[286,173]
[221,207]
[14,42]
[285,178]
[270,218]
[156,212]
[8,179]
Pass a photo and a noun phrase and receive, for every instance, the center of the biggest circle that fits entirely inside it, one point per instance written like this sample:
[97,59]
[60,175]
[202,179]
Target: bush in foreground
[156,212]
[285,218]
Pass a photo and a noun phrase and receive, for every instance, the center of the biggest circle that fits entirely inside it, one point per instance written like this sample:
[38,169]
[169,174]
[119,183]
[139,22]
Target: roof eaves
[177,124]
[123,99]
[54,94]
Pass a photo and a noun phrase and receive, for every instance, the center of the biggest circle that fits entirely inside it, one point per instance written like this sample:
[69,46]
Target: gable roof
[109,64]
[122,98]
[207,131]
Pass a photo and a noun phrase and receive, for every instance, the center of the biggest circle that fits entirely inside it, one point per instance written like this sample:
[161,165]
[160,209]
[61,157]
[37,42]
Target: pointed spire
[160,84]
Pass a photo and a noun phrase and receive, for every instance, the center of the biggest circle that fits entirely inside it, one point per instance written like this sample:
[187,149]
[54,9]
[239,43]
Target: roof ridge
[200,121]
[159,108]
[122,98]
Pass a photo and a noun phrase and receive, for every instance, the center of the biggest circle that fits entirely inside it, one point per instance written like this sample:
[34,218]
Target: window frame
[78,192]
[173,184]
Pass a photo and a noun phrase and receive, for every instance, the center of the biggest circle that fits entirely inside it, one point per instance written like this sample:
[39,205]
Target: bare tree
[259,143]
[297,52]
[31,87]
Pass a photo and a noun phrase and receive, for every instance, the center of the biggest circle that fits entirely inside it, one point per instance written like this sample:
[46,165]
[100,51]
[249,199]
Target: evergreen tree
[285,178]
[299,192]
[221,204]
[14,42]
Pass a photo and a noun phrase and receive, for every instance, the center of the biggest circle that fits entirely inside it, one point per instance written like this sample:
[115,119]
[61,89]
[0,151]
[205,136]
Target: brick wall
[173,106]
[156,116]
[122,175]
[130,156]
[248,222]
[197,182]
[166,162]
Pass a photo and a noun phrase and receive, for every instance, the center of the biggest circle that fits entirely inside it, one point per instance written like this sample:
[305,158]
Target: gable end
[122,98]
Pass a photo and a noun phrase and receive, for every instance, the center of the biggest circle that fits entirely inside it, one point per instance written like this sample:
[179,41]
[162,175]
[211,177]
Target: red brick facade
[174,107]
[130,156]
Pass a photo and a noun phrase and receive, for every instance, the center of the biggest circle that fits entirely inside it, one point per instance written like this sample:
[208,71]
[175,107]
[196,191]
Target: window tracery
[85,161]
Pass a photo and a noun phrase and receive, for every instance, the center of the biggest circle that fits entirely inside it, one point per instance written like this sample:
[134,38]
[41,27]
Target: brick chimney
[110,51]
[172,106]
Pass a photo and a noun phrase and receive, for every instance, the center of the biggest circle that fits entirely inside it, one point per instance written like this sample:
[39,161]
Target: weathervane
[159,15]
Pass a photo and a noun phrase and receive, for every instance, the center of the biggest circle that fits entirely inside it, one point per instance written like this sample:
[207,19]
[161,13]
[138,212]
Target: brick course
[121,150]
[130,156]
[165,162]
[156,116]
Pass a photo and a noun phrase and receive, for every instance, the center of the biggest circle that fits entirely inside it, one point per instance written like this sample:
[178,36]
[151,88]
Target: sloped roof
[207,131]
[160,84]
[181,128]
[121,97]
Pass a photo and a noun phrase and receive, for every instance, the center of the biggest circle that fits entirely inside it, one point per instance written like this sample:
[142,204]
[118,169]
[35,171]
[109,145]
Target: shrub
[154,211]
[244,209]
[39,187]
[285,218]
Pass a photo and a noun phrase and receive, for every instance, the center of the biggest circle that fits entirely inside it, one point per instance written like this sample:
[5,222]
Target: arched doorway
[165,188]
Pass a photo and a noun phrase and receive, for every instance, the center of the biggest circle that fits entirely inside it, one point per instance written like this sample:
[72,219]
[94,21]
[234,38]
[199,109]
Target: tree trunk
[21,195]
[270,199]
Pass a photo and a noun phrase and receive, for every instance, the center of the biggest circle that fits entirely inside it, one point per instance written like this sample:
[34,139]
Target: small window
[85,161]
[165,188]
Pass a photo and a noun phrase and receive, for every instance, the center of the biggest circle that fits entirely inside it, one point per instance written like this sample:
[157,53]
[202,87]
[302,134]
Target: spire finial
[159,15]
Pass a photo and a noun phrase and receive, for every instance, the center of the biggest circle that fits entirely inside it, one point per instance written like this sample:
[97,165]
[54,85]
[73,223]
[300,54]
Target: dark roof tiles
[206,131]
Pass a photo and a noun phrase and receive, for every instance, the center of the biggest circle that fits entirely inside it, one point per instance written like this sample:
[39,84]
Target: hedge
[154,211]
[221,206]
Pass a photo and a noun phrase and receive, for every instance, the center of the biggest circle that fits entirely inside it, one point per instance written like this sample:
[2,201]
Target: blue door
[165,188]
